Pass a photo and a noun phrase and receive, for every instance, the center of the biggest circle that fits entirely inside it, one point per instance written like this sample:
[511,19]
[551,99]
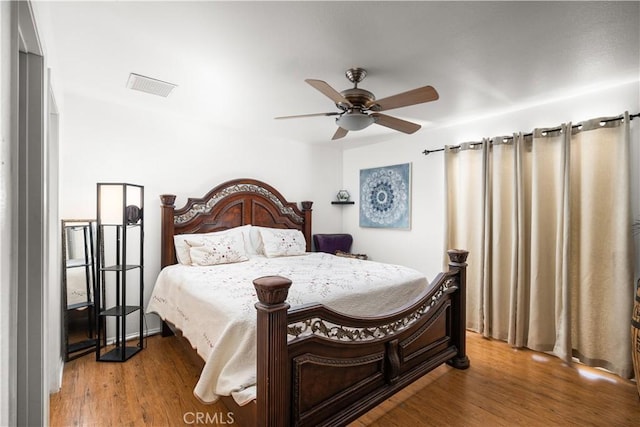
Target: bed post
[457,262]
[167,254]
[306,210]
[272,374]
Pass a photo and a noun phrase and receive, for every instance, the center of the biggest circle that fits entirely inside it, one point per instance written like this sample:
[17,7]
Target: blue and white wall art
[385,197]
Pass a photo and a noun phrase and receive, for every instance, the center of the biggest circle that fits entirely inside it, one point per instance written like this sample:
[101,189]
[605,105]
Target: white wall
[422,247]
[104,142]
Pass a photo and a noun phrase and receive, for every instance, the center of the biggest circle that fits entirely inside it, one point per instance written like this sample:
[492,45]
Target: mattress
[214,306]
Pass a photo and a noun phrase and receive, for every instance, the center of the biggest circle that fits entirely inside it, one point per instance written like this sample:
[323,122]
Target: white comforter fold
[214,306]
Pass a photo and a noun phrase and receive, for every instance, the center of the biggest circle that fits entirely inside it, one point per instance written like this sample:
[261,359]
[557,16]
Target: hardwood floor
[503,387]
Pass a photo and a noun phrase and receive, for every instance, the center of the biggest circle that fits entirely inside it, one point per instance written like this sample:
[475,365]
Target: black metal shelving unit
[120,266]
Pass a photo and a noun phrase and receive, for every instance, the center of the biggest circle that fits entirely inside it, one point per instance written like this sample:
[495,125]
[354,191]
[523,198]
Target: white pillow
[182,248]
[256,239]
[217,249]
[282,242]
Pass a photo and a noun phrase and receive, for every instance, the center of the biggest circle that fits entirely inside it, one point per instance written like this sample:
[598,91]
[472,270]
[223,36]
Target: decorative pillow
[256,238]
[182,248]
[282,242]
[217,249]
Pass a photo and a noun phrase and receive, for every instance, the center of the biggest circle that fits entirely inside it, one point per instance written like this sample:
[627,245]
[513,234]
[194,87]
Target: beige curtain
[547,220]
[465,192]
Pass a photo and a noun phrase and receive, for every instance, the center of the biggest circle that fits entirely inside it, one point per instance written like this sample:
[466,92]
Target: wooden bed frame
[316,366]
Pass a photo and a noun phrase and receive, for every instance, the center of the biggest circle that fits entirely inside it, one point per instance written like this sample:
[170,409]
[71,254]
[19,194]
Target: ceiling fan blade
[309,115]
[330,92]
[340,133]
[412,97]
[395,123]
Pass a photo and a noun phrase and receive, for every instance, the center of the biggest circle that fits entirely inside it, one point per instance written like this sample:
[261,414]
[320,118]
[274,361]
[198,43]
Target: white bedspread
[214,306]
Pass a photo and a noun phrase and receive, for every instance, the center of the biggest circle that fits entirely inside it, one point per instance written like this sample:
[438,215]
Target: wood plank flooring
[503,387]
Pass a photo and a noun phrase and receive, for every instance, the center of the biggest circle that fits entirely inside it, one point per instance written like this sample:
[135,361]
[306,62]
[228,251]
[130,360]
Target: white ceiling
[240,64]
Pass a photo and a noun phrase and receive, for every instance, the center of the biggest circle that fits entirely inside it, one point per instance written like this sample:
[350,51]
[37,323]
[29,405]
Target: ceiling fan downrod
[356,75]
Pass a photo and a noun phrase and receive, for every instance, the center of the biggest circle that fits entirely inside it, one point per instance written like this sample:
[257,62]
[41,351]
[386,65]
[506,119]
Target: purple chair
[331,243]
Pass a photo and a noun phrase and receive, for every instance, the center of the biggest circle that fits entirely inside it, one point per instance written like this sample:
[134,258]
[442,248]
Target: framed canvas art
[385,197]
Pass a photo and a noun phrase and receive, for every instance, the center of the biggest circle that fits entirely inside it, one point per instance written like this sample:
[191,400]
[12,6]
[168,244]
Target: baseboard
[133,336]
[56,385]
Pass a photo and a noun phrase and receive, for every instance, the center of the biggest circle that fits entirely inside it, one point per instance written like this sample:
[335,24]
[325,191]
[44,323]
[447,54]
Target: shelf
[115,355]
[118,310]
[337,202]
[74,263]
[80,305]
[82,345]
[79,265]
[121,225]
[120,267]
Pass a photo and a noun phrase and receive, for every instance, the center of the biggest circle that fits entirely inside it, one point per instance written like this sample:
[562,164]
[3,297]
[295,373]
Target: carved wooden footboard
[319,367]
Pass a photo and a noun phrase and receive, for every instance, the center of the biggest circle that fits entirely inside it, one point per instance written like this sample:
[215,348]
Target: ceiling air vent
[149,85]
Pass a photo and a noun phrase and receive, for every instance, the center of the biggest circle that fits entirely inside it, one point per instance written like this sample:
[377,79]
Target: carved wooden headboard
[231,204]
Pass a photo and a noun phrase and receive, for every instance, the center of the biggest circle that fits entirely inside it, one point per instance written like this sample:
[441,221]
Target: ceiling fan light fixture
[354,121]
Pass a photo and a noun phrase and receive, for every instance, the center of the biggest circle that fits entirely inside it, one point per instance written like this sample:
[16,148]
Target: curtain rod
[631,117]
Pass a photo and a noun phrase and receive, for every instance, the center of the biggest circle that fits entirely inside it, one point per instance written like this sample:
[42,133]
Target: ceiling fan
[358,108]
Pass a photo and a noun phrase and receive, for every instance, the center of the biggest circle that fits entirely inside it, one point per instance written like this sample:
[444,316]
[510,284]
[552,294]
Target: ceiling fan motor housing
[359,98]
[356,116]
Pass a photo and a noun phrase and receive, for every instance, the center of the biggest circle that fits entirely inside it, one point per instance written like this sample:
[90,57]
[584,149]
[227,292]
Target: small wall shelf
[338,202]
